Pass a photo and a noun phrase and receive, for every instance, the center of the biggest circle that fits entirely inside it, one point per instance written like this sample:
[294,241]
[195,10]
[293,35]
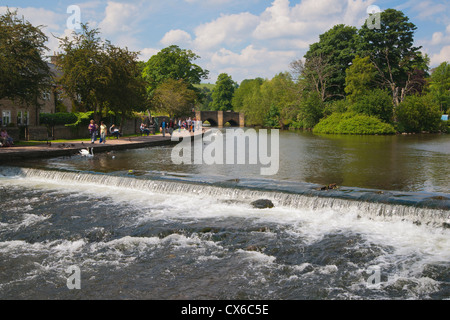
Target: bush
[56,119]
[419,113]
[82,119]
[351,123]
[376,103]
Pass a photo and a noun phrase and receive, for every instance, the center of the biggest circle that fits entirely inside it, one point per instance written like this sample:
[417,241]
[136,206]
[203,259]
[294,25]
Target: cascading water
[139,238]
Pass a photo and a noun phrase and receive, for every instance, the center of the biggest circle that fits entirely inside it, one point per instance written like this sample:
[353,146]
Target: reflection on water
[404,163]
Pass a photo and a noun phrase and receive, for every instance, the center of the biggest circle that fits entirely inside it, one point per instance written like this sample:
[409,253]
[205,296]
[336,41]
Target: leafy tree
[311,110]
[272,119]
[247,99]
[377,103]
[222,93]
[173,63]
[338,48]
[315,75]
[23,72]
[84,70]
[440,85]
[174,97]
[392,51]
[125,87]
[360,77]
[418,113]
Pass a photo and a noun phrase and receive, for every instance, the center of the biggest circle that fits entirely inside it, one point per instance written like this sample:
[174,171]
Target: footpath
[70,148]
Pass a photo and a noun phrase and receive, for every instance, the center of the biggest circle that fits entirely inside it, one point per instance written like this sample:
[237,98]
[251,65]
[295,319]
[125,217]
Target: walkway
[70,148]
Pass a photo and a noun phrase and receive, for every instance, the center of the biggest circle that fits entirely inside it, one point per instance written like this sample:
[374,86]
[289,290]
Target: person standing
[103,131]
[93,128]
[163,127]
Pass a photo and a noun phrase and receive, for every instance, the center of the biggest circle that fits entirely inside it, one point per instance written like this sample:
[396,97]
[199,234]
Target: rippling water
[169,232]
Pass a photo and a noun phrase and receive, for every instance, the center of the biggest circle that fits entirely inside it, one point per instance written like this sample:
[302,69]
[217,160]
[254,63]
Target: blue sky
[246,39]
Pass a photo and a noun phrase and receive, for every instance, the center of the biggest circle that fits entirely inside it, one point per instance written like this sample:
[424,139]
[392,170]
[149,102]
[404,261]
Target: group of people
[187,124]
[95,130]
[5,139]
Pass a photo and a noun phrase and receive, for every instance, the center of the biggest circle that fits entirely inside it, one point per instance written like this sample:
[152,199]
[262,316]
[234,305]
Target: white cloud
[177,37]
[437,58]
[147,53]
[119,17]
[227,29]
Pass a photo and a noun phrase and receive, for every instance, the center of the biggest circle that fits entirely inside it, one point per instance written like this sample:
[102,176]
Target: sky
[245,39]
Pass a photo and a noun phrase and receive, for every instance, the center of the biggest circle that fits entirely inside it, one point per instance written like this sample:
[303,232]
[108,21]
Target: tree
[222,94]
[173,63]
[174,97]
[440,85]
[338,46]
[392,51]
[315,74]
[23,72]
[360,77]
[419,113]
[376,102]
[84,70]
[125,87]
[247,99]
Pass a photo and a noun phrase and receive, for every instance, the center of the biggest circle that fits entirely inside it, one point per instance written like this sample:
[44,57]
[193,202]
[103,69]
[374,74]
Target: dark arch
[233,123]
[212,122]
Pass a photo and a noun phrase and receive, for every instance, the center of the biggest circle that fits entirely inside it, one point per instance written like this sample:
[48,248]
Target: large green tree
[222,94]
[392,51]
[440,85]
[360,78]
[125,87]
[23,72]
[173,63]
[174,97]
[337,47]
[84,71]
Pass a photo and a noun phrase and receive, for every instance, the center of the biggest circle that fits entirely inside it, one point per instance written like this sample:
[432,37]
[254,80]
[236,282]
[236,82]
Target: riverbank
[70,148]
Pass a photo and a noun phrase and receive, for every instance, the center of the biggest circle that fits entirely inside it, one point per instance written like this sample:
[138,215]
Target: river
[137,226]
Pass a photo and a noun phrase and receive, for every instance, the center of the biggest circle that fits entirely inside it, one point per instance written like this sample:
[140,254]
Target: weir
[436,217]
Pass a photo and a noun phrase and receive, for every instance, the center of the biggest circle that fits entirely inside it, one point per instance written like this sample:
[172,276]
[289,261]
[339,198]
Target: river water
[137,226]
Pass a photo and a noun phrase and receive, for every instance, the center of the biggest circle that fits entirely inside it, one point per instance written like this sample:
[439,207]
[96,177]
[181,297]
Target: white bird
[86,153]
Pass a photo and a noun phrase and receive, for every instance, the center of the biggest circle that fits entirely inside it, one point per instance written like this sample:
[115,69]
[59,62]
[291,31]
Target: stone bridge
[220,118]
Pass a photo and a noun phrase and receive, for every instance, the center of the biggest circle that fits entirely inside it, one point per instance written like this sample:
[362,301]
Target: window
[23,118]
[6,117]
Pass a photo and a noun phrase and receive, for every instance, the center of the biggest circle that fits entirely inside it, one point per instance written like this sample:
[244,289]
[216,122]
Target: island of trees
[352,81]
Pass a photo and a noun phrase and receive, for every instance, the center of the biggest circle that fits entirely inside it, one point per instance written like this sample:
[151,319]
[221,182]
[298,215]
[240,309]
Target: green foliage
[351,123]
[272,119]
[247,99]
[23,72]
[440,86]
[338,46]
[391,48]
[376,103]
[82,119]
[311,110]
[222,93]
[419,113]
[172,63]
[174,97]
[360,78]
[57,119]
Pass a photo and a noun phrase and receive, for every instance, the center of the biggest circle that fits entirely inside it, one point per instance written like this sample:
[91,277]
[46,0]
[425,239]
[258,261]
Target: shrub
[376,103]
[351,123]
[418,113]
[55,119]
